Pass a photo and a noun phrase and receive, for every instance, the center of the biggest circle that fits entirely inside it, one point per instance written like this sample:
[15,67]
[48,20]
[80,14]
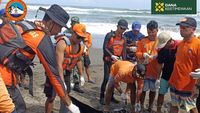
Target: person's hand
[195,74]
[195,92]
[65,86]
[157,84]
[146,55]
[123,97]
[115,58]
[73,108]
[133,49]
[85,49]
[82,80]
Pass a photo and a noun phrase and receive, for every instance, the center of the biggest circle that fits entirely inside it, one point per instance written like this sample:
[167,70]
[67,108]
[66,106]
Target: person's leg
[105,80]
[18,100]
[198,102]
[87,63]
[162,91]
[160,102]
[133,95]
[145,88]
[109,91]
[50,94]
[152,94]
[49,104]
[77,72]
[175,101]
[140,85]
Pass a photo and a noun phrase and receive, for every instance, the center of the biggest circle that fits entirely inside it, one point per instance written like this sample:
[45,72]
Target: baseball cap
[136,26]
[75,19]
[2,12]
[141,69]
[123,23]
[80,29]
[188,21]
[57,14]
[152,25]
[163,38]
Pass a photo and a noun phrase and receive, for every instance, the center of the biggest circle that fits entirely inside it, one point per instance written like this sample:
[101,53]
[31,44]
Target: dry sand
[91,96]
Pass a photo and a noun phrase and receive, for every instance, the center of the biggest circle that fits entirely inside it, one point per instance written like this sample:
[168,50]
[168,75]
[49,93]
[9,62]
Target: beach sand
[90,97]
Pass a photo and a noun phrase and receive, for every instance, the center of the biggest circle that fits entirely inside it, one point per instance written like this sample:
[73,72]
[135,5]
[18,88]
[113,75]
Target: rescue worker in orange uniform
[37,38]
[127,72]
[146,53]
[113,49]
[68,52]
[183,87]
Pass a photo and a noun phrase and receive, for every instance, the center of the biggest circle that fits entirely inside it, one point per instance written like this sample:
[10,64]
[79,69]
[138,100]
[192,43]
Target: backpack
[13,47]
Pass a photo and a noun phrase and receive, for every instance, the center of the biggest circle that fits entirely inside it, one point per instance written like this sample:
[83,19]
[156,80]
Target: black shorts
[48,88]
[86,60]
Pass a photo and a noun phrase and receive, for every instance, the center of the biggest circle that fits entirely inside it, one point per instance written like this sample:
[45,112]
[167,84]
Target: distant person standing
[166,58]
[183,86]
[132,37]
[113,49]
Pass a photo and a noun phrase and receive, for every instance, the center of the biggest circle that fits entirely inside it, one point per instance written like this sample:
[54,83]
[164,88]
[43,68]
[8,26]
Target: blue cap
[2,12]
[136,26]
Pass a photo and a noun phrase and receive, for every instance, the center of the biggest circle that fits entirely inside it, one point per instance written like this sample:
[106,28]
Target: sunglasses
[122,28]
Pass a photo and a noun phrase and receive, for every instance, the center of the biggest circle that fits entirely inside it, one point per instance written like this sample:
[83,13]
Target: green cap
[74,20]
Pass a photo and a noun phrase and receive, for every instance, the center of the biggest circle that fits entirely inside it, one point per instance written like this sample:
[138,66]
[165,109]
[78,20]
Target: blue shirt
[130,37]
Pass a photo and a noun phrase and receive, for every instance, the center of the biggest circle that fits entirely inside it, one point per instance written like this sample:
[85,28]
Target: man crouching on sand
[127,72]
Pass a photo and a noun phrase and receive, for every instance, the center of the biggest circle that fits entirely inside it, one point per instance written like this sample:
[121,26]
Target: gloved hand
[123,98]
[115,58]
[73,108]
[82,80]
[146,55]
[85,49]
[133,49]
[65,86]
[157,84]
[195,74]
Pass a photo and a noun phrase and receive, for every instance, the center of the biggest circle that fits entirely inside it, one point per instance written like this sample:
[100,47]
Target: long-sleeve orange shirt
[148,46]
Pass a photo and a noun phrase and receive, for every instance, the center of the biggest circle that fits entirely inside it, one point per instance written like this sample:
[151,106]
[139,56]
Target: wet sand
[90,97]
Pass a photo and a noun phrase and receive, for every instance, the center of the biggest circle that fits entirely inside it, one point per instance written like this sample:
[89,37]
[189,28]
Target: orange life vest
[116,44]
[70,59]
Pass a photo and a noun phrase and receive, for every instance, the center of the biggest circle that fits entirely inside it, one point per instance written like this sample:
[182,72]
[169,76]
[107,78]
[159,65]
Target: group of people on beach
[155,62]
[128,57]
[21,41]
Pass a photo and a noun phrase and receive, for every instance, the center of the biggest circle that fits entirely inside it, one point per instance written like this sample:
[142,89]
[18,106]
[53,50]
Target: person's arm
[159,70]
[6,104]
[118,88]
[88,42]
[124,49]
[60,48]
[139,53]
[80,71]
[105,44]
